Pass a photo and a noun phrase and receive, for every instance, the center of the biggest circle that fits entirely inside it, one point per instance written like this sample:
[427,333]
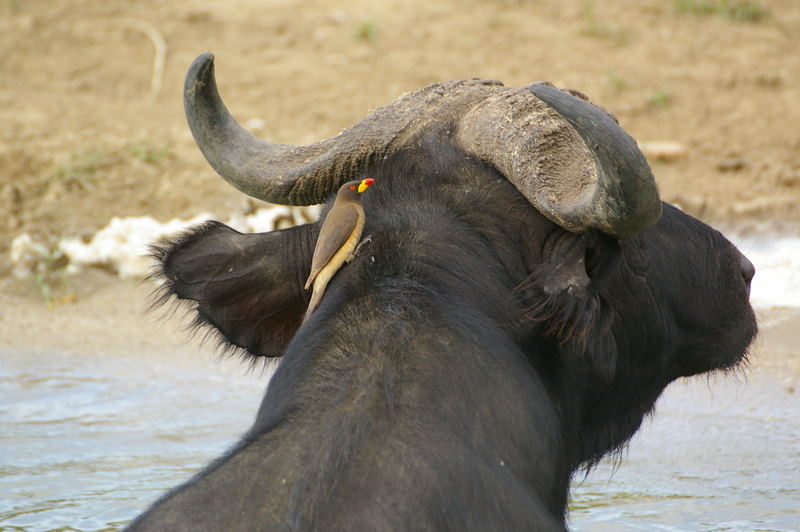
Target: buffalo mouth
[727,350]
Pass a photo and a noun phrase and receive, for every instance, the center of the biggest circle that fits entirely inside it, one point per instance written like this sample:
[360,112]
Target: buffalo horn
[569,158]
[307,175]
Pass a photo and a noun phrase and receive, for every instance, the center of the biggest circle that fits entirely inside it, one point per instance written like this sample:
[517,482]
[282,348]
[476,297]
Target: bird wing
[336,230]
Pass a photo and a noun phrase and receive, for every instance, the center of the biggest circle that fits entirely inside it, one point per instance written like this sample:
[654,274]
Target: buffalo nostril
[747,269]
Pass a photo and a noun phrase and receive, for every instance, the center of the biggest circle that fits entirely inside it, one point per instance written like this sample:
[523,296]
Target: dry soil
[90,129]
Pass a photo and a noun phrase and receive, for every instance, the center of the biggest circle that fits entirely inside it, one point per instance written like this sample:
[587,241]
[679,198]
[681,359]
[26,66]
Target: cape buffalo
[520,301]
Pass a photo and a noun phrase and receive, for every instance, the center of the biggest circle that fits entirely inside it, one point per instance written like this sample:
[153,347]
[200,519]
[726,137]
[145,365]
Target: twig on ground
[159,44]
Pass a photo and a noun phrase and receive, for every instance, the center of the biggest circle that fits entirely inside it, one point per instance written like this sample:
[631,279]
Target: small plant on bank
[736,10]
[149,154]
[594,27]
[660,99]
[82,168]
[367,31]
[51,278]
[617,82]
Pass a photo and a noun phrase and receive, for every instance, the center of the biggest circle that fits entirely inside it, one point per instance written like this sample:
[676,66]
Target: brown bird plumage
[338,239]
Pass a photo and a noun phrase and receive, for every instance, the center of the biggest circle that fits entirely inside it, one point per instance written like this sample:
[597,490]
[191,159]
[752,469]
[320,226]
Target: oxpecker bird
[338,239]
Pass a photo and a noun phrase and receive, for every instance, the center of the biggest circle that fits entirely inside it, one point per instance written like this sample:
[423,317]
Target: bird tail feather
[316,296]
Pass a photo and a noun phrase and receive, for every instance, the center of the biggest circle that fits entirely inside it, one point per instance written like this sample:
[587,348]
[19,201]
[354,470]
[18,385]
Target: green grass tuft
[594,27]
[50,276]
[149,154]
[367,31]
[735,10]
[82,168]
[661,99]
[617,82]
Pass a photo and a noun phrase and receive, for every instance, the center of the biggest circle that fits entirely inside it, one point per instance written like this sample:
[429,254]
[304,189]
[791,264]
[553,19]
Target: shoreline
[110,315]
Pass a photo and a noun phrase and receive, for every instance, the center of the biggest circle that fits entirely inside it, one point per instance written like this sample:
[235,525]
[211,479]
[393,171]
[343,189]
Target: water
[719,455]
[777,261]
[89,440]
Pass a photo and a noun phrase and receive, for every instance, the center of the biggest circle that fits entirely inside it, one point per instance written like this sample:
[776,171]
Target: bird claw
[363,242]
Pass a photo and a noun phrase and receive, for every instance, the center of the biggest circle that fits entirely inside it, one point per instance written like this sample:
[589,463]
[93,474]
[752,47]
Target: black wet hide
[461,368]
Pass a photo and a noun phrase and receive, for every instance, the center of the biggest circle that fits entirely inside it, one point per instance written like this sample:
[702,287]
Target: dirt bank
[90,92]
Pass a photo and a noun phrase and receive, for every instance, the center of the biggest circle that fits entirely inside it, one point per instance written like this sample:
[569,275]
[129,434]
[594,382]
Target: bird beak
[365,184]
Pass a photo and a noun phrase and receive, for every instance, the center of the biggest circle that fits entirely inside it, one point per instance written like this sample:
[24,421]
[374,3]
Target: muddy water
[89,439]
[722,454]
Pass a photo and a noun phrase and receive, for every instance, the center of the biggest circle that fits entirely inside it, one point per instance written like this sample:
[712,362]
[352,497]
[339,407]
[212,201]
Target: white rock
[123,244]
[26,254]
[666,150]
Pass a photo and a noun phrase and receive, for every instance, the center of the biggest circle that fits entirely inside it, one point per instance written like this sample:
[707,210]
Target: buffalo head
[522,302]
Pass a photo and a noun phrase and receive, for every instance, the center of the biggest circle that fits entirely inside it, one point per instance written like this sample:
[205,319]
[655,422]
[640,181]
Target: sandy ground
[90,129]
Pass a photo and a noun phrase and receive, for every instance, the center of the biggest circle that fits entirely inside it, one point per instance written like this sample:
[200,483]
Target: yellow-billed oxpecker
[338,239]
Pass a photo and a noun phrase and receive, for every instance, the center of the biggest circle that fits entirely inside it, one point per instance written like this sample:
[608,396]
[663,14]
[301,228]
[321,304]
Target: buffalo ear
[563,298]
[247,287]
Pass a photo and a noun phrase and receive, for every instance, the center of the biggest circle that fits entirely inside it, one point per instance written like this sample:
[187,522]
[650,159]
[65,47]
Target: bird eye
[352,187]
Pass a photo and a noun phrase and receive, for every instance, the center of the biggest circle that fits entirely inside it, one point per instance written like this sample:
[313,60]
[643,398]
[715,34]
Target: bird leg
[363,242]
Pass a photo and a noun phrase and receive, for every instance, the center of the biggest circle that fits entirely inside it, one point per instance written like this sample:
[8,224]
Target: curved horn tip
[199,71]
[647,216]
[252,165]
[625,200]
